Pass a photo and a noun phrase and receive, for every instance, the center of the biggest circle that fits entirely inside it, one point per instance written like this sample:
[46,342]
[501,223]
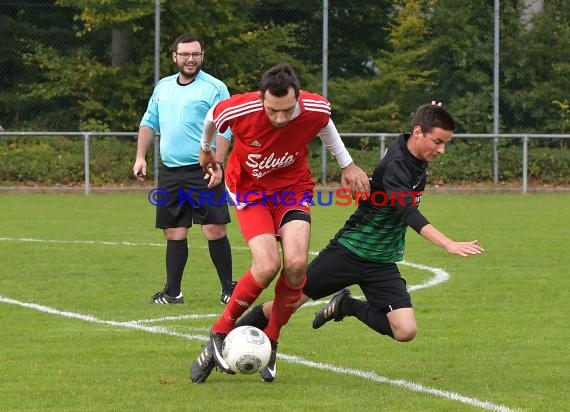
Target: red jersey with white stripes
[265,158]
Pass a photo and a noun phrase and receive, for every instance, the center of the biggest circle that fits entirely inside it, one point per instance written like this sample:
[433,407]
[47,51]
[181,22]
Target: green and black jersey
[376,231]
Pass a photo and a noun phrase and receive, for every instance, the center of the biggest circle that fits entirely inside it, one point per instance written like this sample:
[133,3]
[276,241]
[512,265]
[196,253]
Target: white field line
[167,318]
[368,375]
[79,242]
[89,318]
[440,275]
[411,386]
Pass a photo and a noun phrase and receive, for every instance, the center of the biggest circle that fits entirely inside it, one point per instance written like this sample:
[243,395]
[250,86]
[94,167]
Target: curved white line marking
[411,386]
[440,275]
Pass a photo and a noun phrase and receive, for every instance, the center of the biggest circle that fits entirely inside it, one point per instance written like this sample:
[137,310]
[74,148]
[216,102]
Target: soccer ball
[246,349]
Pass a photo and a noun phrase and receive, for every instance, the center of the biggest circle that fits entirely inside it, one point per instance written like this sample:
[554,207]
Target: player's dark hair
[278,80]
[429,116]
[185,38]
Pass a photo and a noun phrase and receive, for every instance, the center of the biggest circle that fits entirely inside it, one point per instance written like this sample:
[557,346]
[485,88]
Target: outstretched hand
[464,248]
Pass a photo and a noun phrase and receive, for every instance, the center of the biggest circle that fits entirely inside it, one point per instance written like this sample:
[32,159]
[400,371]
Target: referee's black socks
[221,255]
[176,257]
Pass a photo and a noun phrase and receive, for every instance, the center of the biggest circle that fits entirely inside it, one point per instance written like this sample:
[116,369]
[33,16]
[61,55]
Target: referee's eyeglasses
[195,55]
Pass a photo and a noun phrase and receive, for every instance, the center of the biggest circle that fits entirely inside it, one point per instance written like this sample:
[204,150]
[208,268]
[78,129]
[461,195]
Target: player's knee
[405,333]
[296,267]
[267,267]
[403,324]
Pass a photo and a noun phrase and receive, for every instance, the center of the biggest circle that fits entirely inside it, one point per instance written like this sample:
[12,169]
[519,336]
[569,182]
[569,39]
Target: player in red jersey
[269,179]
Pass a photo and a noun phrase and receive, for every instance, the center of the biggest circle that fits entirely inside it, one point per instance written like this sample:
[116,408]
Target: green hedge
[53,161]
[472,162]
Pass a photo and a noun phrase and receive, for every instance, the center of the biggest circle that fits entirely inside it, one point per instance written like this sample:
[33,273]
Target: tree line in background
[70,65]
[88,65]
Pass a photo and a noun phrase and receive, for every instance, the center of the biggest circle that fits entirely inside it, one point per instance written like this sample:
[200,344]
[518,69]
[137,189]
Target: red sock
[247,290]
[285,304]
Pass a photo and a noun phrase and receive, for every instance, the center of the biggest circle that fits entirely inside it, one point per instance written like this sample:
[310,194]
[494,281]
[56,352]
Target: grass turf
[496,333]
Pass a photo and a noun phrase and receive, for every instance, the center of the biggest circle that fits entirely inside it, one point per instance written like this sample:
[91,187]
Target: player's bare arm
[222,148]
[472,247]
[145,137]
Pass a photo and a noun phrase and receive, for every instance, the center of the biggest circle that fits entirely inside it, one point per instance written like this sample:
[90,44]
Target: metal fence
[382,139]
[87,136]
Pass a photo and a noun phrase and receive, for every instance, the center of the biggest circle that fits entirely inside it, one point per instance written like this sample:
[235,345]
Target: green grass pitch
[76,334]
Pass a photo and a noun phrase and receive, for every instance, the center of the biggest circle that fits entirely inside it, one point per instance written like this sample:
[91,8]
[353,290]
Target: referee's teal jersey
[177,111]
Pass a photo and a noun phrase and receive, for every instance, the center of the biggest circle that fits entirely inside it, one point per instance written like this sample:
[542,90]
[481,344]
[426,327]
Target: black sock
[176,257]
[373,318]
[254,317]
[221,255]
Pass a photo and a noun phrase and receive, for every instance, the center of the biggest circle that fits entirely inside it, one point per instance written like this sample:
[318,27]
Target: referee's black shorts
[189,199]
[336,268]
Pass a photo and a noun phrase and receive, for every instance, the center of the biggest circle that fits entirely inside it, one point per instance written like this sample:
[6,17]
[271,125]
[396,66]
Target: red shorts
[265,216]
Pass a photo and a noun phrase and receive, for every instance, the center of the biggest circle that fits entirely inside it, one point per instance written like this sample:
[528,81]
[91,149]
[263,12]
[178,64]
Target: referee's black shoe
[332,310]
[161,298]
[226,294]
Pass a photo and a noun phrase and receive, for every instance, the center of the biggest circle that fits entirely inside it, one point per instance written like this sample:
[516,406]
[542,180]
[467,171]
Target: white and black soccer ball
[246,349]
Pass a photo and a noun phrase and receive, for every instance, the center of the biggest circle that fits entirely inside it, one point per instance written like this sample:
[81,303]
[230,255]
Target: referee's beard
[190,72]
